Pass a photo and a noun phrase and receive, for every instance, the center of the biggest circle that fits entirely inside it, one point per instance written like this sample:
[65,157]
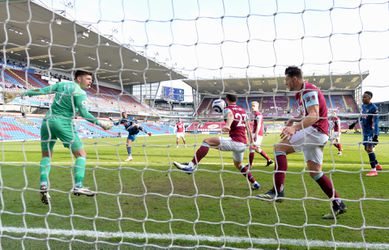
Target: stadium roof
[341,82]
[50,40]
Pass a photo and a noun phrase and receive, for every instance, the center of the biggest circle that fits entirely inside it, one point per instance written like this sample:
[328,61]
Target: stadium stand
[278,107]
[283,106]
[204,107]
[100,98]
[351,105]
[16,128]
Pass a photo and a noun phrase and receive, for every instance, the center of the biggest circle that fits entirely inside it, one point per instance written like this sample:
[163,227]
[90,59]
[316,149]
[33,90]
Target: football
[218,105]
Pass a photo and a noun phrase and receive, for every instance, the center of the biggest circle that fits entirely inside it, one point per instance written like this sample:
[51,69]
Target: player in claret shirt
[335,132]
[238,128]
[308,133]
[180,132]
[257,135]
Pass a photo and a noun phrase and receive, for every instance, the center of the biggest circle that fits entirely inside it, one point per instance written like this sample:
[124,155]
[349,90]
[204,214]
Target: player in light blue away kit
[133,129]
[369,124]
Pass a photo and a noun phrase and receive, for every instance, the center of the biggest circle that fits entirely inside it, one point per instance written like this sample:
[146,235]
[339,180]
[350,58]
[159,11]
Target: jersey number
[241,118]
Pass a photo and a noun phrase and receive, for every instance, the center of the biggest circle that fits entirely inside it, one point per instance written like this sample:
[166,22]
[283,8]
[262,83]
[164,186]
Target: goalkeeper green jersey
[69,100]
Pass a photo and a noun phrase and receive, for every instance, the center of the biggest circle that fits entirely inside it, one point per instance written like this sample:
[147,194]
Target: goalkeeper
[369,124]
[133,129]
[69,99]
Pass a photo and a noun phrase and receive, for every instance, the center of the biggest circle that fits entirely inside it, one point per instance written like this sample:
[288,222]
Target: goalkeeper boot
[45,197]
[272,195]
[338,208]
[83,191]
[188,168]
[255,186]
[129,158]
[378,167]
[268,163]
[340,153]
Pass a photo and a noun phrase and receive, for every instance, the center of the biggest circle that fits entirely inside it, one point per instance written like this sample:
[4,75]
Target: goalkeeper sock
[373,160]
[44,170]
[79,171]
[326,185]
[281,165]
[251,158]
[200,153]
[129,150]
[246,173]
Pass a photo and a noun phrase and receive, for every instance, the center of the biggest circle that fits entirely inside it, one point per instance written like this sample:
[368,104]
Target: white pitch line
[123,163]
[186,237]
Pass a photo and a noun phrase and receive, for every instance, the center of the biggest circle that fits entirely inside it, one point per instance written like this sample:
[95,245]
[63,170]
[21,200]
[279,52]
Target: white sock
[191,165]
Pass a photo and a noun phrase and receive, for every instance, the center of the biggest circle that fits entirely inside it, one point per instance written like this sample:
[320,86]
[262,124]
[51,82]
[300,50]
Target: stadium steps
[12,80]
[158,129]
[31,79]
[16,128]
[39,83]
[13,130]
[16,77]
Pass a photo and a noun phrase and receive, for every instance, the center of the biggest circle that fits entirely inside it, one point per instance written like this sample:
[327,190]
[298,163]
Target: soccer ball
[218,105]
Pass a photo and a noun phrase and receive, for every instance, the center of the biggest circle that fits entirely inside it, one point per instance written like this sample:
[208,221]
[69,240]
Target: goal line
[186,237]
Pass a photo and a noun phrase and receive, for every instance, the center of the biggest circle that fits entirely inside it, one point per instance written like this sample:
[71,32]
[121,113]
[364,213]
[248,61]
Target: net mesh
[221,47]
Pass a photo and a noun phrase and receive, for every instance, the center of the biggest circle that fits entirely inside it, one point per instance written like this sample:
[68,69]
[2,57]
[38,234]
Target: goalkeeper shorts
[311,142]
[64,130]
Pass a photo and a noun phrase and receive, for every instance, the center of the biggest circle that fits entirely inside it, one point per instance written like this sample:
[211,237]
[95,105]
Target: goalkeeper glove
[10,96]
[106,125]
[375,139]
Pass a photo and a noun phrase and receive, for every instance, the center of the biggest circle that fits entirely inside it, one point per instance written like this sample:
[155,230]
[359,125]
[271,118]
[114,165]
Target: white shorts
[180,135]
[258,141]
[335,136]
[237,148]
[311,142]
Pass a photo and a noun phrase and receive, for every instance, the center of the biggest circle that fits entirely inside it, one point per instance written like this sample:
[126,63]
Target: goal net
[161,60]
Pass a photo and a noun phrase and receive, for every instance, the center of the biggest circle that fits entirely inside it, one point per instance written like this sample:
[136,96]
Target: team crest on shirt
[310,98]
[84,103]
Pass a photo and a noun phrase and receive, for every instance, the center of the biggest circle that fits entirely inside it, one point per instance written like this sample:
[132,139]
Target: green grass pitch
[150,195]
